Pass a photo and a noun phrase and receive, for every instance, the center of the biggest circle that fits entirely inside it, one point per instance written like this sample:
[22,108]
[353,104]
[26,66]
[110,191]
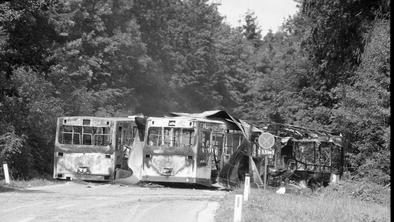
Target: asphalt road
[73,201]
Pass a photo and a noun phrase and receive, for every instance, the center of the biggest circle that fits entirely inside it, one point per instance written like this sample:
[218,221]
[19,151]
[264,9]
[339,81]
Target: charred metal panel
[169,150]
[168,166]
[80,120]
[84,149]
[215,127]
[204,172]
[171,122]
[136,157]
[85,164]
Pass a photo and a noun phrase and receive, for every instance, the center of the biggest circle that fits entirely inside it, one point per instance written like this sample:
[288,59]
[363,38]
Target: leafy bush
[363,190]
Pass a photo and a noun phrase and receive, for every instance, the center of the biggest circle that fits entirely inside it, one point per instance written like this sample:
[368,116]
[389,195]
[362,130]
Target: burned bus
[92,148]
[315,157]
[188,149]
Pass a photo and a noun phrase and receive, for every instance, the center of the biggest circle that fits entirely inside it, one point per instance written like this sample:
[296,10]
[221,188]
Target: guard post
[238,208]
[6,173]
[246,187]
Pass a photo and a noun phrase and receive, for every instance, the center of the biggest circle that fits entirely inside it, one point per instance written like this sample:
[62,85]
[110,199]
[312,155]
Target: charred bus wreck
[186,148]
[92,148]
[304,156]
[211,148]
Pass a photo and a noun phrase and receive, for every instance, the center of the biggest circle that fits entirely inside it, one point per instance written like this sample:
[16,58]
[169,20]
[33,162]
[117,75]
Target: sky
[270,13]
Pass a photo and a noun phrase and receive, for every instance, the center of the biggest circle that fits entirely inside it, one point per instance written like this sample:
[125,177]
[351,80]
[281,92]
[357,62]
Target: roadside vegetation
[23,184]
[341,202]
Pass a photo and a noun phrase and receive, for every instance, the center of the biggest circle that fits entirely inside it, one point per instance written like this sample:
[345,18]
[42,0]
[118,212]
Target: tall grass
[323,206]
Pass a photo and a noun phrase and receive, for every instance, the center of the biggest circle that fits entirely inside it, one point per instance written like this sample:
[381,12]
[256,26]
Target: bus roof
[222,116]
[98,118]
[186,118]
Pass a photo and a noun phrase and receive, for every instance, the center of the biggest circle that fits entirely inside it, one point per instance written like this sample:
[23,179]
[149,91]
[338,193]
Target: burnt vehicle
[93,148]
[189,148]
[305,156]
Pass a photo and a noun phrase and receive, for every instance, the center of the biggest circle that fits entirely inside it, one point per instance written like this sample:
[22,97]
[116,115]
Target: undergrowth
[345,201]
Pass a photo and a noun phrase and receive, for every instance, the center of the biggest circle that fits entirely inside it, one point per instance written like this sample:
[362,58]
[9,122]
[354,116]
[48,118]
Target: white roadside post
[247,187]
[238,208]
[6,174]
[333,178]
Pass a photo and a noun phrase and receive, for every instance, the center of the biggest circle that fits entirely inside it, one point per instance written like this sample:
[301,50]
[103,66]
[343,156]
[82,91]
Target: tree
[252,30]
[335,41]
[27,103]
[103,58]
[365,110]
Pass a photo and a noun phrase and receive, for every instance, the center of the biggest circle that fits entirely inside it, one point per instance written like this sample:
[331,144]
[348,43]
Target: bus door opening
[124,141]
[204,146]
[217,143]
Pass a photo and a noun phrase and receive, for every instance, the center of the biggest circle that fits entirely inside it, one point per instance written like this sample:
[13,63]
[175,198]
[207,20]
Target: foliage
[252,31]
[363,190]
[328,68]
[365,111]
[10,144]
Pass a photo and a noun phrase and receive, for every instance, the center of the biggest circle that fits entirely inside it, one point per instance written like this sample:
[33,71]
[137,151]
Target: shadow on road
[20,190]
[6,189]
[175,185]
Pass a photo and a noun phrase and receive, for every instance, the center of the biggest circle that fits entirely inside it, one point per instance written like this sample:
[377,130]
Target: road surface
[73,201]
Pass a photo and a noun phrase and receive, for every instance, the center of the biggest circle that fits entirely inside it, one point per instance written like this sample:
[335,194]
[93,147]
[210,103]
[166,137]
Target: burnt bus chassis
[193,154]
[299,166]
[290,164]
[92,162]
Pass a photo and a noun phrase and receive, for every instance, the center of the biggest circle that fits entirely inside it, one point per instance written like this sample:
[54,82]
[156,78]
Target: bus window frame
[191,136]
[105,135]
[158,135]
[80,134]
[72,133]
[87,134]
[171,139]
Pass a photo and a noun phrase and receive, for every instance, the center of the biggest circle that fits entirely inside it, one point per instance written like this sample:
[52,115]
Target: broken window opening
[187,137]
[217,146]
[87,133]
[204,147]
[177,137]
[77,135]
[167,136]
[233,141]
[77,131]
[154,136]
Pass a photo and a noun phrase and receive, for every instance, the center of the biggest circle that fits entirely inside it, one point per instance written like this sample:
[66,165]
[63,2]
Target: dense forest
[327,67]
